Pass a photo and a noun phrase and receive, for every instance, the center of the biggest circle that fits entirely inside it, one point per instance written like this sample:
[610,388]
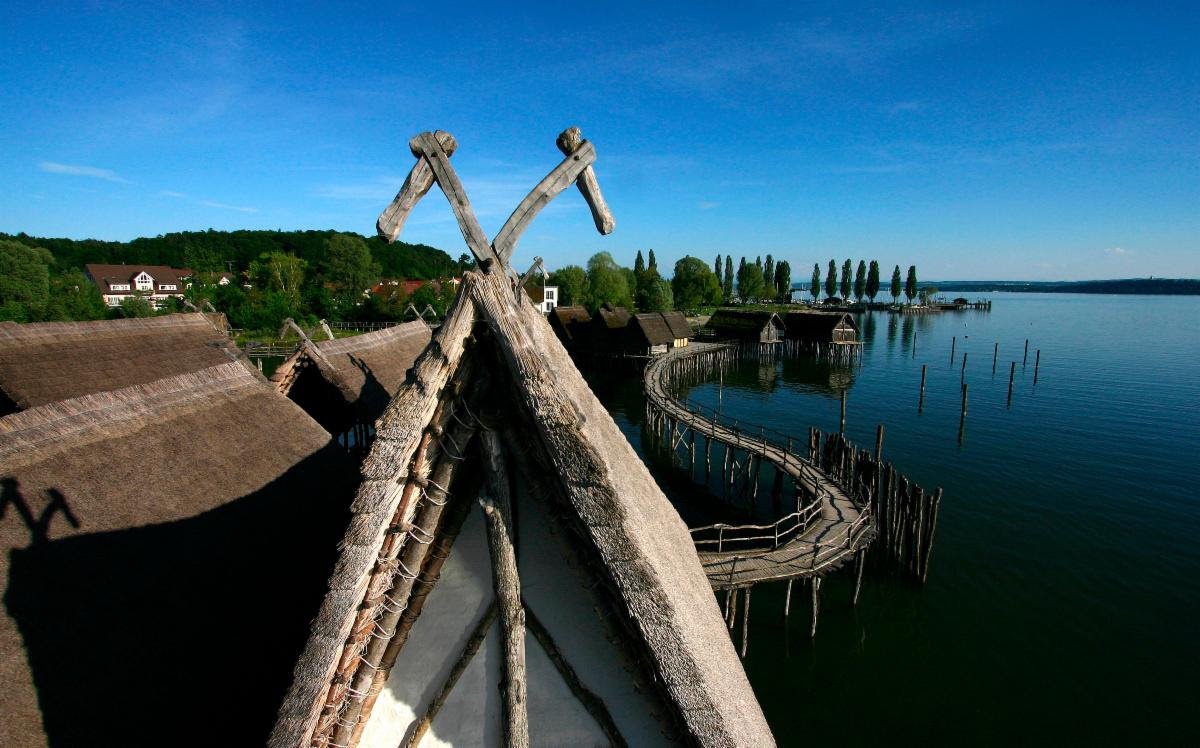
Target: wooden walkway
[826,526]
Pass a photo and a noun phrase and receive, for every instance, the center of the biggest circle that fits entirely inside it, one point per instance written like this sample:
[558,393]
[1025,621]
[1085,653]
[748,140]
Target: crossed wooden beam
[433,151]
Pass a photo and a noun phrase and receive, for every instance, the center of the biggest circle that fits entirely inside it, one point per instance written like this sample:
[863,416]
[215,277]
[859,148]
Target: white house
[153,282]
[549,298]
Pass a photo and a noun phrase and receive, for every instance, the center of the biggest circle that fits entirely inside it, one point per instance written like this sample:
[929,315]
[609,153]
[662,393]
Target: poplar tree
[910,285]
[717,266]
[769,273]
[639,264]
[846,283]
[727,282]
[653,263]
[831,280]
[873,280]
[783,279]
[860,281]
[896,284]
[815,287]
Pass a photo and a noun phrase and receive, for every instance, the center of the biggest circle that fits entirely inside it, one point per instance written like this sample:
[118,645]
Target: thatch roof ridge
[678,324]
[654,327]
[374,339]
[55,331]
[107,414]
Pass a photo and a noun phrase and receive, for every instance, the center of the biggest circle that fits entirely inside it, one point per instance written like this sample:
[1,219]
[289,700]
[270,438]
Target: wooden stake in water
[1037,361]
[878,442]
[914,345]
[1012,372]
[953,343]
[995,355]
[1026,359]
[842,423]
[964,367]
[962,416]
[921,402]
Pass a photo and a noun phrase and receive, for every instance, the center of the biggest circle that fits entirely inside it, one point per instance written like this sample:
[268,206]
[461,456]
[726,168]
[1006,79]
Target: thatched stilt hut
[48,361]
[164,548]
[351,380]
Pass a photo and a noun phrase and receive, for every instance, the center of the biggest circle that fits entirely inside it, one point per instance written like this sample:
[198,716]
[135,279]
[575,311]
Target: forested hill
[1149,286]
[214,250]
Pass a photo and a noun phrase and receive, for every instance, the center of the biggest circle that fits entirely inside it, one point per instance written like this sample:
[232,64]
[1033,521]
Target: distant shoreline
[1141,286]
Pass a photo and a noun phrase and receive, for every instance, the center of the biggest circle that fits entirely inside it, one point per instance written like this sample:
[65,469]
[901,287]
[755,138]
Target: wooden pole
[746,622]
[914,345]
[921,402]
[995,355]
[1037,362]
[497,508]
[816,605]
[860,559]
[1012,373]
[879,442]
[964,365]
[842,420]
[1026,359]
[933,513]
[733,593]
[953,343]
[787,599]
[962,416]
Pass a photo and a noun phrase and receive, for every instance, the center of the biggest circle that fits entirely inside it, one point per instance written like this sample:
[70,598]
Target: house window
[144,282]
[551,294]
[118,286]
[167,287]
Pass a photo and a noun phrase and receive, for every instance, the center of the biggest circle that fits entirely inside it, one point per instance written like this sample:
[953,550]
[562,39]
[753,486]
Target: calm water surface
[1063,601]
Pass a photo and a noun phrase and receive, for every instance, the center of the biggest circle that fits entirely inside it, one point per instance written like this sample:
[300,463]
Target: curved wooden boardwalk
[827,527]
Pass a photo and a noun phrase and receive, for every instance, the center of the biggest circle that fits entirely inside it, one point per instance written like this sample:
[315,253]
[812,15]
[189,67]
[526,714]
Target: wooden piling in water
[816,605]
[860,560]
[879,442]
[746,622]
[962,416]
[842,421]
[1037,362]
[787,599]
[953,343]
[1012,373]
[1026,359]
[995,355]
[921,402]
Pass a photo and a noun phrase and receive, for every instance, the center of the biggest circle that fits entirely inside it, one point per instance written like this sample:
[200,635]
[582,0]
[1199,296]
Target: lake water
[1063,601]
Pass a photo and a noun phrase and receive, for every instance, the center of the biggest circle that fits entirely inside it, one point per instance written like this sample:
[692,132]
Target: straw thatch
[744,324]
[625,528]
[353,379]
[164,546]
[48,361]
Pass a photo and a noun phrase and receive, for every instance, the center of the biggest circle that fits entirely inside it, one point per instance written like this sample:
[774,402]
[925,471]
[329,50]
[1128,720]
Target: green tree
[280,272]
[24,281]
[758,263]
[783,279]
[653,263]
[910,284]
[860,281]
[815,287]
[654,294]
[831,280]
[926,293]
[717,267]
[136,306]
[607,281]
[769,275]
[727,280]
[349,268]
[694,285]
[639,264]
[896,284]
[846,283]
[572,282]
[74,297]
[873,280]
[750,283]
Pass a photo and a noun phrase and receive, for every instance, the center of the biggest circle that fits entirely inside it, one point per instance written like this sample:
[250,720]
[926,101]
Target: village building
[143,528]
[821,327]
[544,298]
[155,283]
[349,381]
[572,325]
[654,333]
[745,326]
[47,361]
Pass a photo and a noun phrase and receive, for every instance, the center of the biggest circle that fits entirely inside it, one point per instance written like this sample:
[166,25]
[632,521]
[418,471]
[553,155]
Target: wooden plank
[448,180]
[559,178]
[416,185]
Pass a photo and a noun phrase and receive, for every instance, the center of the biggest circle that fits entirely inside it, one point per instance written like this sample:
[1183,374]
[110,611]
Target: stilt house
[512,573]
[143,529]
[821,327]
[745,326]
[652,333]
[572,325]
[351,380]
[48,361]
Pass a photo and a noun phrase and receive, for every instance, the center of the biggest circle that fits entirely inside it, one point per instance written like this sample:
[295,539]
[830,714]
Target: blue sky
[1039,141]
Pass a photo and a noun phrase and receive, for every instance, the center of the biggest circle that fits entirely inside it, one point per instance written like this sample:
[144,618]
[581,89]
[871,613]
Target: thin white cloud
[75,170]
[224,206]
[707,204]
[905,106]
[171,193]
[1118,252]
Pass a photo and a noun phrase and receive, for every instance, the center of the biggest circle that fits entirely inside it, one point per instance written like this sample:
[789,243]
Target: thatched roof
[164,547]
[624,526]
[612,317]
[651,329]
[360,373]
[742,322]
[678,324]
[815,325]
[48,361]
[570,322]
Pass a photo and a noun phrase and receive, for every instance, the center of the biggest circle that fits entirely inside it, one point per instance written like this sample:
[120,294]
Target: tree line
[863,282]
[306,275]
